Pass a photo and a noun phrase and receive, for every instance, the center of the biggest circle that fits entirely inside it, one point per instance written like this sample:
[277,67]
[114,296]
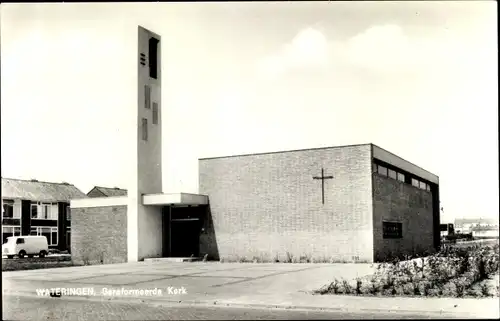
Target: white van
[25,245]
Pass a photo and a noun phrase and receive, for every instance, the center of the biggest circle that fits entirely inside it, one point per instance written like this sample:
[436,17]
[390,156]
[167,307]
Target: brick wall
[267,205]
[396,201]
[99,234]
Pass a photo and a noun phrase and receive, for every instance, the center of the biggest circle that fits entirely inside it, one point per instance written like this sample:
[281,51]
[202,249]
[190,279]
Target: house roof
[109,191]
[39,191]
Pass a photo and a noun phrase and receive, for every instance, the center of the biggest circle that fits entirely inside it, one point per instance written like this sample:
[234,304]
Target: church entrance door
[185,237]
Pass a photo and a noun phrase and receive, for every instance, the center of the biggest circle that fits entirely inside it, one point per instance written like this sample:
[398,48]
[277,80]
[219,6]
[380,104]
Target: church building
[357,203]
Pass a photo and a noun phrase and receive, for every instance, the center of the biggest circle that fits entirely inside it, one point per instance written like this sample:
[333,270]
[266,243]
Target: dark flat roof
[413,164]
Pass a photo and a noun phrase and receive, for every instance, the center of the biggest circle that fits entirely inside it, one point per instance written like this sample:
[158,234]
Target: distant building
[479,227]
[31,207]
[99,191]
[447,229]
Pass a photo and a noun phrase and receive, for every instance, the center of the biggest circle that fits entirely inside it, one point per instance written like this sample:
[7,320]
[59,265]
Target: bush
[460,287]
[374,287]
[426,287]
[485,289]
[304,259]
[416,288]
[359,284]
[454,272]
[347,288]
[333,287]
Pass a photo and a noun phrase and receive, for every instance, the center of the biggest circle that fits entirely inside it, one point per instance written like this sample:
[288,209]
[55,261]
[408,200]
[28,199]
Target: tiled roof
[108,192]
[39,191]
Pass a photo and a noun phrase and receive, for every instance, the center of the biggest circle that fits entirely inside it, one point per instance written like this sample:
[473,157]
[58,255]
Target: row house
[32,207]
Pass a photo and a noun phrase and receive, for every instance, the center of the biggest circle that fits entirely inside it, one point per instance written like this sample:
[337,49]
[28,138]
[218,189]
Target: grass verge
[36,263]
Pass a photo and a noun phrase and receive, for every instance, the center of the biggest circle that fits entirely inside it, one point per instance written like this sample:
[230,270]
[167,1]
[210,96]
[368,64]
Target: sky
[416,78]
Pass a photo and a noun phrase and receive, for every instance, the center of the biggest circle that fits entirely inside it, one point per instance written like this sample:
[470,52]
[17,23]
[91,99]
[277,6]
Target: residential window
[8,231]
[44,211]
[155,113]
[34,210]
[49,232]
[382,170]
[147,96]
[8,209]
[401,177]
[392,174]
[392,230]
[144,129]
[415,182]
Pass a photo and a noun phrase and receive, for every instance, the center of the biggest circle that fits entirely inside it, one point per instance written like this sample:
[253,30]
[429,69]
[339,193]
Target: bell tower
[146,175]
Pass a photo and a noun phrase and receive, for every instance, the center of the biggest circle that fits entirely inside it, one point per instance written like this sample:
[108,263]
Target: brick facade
[396,201]
[99,234]
[268,205]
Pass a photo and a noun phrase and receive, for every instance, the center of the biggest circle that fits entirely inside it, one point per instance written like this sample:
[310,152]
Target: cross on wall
[322,178]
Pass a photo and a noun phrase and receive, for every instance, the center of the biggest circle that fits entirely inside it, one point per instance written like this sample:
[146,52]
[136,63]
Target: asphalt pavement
[43,308]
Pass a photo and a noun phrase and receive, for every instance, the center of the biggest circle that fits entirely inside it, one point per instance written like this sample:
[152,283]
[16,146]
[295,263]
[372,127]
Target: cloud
[387,49]
[380,47]
[309,48]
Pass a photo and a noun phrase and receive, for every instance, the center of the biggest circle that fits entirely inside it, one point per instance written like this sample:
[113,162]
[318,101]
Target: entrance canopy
[174,199]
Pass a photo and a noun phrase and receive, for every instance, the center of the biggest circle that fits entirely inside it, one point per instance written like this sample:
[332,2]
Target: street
[33,308]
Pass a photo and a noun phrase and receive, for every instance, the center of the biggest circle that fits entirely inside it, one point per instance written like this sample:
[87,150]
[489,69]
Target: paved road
[32,308]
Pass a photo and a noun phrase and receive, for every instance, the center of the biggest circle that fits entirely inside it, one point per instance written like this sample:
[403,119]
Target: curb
[215,303]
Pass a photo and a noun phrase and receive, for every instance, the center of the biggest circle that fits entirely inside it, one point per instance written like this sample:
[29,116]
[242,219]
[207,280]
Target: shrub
[426,287]
[389,281]
[304,258]
[334,286]
[374,286]
[416,288]
[359,283]
[453,271]
[485,289]
[243,259]
[460,287]
[407,289]
[346,287]
[435,291]
[398,290]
